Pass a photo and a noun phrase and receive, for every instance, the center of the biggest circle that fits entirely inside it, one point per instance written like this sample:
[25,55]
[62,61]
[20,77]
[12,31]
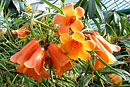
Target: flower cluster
[32,58]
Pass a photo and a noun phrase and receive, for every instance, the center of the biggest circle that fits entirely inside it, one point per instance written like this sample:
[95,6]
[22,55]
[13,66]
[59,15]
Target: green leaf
[98,25]
[100,13]
[91,8]
[111,68]
[33,32]
[84,80]
[118,63]
[101,4]
[78,3]
[16,3]
[6,2]
[107,14]
[117,18]
[126,42]
[123,71]
[121,56]
[84,5]
[53,6]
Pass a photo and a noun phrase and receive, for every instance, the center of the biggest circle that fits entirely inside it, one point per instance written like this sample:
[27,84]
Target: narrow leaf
[91,8]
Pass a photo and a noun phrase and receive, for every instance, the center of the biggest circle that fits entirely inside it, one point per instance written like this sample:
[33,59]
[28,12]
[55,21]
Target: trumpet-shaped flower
[76,45]
[108,46]
[103,52]
[70,19]
[37,60]
[21,32]
[59,59]
[31,72]
[25,53]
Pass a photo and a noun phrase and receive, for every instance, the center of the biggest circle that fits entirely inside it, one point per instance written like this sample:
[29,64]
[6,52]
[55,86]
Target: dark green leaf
[98,26]
[118,63]
[100,13]
[107,14]
[78,3]
[117,18]
[84,80]
[91,8]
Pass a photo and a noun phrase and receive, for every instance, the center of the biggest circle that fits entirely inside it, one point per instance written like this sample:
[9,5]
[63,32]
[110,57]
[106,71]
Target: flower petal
[63,29]
[83,55]
[65,38]
[28,72]
[58,57]
[68,10]
[44,73]
[26,52]
[77,26]
[79,12]
[88,45]
[67,46]
[73,54]
[115,48]
[20,68]
[59,19]
[78,36]
[35,76]
[98,64]
[37,56]
[15,57]
[108,46]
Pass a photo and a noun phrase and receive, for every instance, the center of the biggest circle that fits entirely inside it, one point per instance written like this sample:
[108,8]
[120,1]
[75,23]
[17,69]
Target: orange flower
[59,59]
[25,53]
[115,79]
[103,51]
[76,46]
[71,19]
[31,72]
[37,60]
[21,32]
[108,46]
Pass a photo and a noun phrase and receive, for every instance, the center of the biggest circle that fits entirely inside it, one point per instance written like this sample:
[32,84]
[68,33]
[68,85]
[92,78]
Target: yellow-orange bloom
[25,53]
[71,19]
[21,32]
[28,8]
[76,46]
[117,80]
[59,59]
[103,50]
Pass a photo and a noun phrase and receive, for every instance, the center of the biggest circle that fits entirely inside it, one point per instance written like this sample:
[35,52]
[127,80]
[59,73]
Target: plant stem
[96,71]
[44,24]
[101,82]
[44,15]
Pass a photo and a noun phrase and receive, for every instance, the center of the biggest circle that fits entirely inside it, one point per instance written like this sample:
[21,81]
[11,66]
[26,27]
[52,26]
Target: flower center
[71,20]
[76,44]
